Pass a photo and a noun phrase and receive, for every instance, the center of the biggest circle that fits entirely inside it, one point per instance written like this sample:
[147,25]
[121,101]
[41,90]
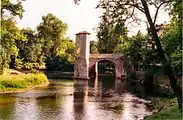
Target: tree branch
[157,10]
[136,6]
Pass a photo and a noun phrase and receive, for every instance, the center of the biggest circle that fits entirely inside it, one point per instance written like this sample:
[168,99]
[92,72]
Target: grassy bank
[164,109]
[171,113]
[16,81]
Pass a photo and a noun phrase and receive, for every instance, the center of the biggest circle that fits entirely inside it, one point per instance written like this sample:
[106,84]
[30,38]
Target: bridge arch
[116,59]
[94,66]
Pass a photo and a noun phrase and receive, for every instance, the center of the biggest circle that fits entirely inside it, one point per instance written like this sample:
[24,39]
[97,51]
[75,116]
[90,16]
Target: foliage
[10,34]
[176,10]
[51,32]
[172,39]
[58,63]
[110,35]
[29,50]
[18,64]
[171,113]
[136,51]
[18,82]
[121,11]
[93,47]
[14,8]
[64,59]
[164,108]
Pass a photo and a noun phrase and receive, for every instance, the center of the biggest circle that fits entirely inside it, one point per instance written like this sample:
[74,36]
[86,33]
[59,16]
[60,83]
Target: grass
[171,113]
[11,82]
[164,109]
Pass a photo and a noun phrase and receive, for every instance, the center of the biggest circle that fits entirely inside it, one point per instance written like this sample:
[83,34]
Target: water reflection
[96,99]
[6,109]
[25,110]
[119,86]
[80,98]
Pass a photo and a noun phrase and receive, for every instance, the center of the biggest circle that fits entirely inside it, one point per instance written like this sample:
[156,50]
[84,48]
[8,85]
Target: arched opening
[102,68]
[106,68]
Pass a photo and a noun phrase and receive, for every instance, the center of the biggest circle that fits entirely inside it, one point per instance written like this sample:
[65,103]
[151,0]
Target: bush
[59,63]
[171,113]
[30,66]
[18,64]
[21,81]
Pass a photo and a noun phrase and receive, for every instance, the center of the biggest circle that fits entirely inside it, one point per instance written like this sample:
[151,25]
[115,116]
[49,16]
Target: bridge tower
[81,65]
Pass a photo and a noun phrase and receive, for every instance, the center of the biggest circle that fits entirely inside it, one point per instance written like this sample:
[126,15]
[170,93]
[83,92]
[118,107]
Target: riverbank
[12,81]
[163,104]
[164,109]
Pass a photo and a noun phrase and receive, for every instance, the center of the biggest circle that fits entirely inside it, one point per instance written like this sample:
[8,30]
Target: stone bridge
[114,58]
[84,61]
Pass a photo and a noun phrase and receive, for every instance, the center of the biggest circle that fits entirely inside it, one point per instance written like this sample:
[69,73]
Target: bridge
[84,61]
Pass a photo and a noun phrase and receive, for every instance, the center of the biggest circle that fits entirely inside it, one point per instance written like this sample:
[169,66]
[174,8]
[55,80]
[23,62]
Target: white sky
[83,17]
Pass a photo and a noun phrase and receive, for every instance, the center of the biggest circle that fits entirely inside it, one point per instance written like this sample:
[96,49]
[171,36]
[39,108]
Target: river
[101,98]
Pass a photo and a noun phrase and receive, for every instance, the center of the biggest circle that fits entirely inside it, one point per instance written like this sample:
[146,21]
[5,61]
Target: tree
[56,48]
[172,37]
[29,50]
[110,35]
[51,33]
[9,31]
[93,47]
[64,59]
[123,10]
[15,9]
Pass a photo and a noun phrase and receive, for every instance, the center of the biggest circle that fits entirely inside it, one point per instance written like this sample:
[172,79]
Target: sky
[82,17]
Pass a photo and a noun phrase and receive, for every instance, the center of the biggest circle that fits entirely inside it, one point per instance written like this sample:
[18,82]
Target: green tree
[110,35]
[126,9]
[64,59]
[9,32]
[51,33]
[133,48]
[14,8]
[56,48]
[93,47]
[29,50]
[172,37]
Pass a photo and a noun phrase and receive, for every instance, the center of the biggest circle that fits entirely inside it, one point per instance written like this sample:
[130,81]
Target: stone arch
[117,63]
[94,62]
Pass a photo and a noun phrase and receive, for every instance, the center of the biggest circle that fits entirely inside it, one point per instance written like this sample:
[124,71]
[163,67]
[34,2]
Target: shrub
[21,81]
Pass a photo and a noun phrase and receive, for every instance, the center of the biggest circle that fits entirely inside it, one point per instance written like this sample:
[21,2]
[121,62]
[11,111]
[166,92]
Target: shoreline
[24,89]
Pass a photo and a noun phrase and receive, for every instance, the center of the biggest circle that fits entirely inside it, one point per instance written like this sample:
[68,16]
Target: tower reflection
[80,98]
[119,85]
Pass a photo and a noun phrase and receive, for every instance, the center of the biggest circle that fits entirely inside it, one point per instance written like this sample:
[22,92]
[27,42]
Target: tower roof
[83,32]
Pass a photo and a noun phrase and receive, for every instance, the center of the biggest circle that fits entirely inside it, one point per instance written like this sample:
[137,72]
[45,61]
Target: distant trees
[51,33]
[110,35]
[28,49]
[48,46]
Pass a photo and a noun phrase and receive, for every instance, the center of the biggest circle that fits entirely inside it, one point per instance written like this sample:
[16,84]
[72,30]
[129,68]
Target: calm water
[97,99]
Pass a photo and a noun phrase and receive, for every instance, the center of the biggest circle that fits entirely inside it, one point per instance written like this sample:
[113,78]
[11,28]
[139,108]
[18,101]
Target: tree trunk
[173,81]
